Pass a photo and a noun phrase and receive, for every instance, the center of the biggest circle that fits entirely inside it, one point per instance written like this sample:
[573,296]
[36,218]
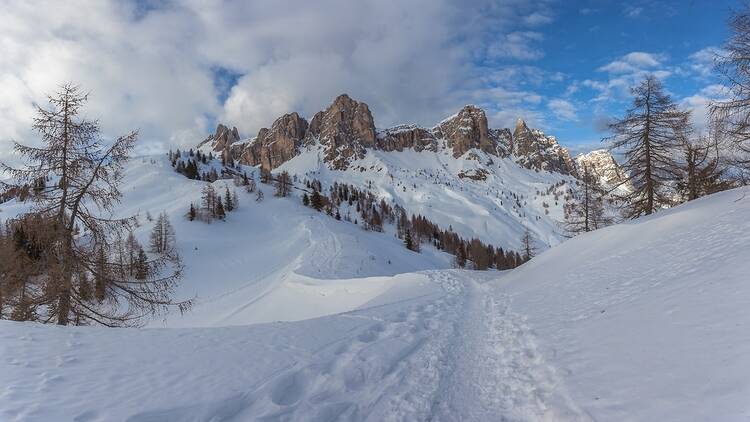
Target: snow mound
[648,320]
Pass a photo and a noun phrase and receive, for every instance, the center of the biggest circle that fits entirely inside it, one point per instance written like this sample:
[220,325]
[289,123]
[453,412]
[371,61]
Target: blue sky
[174,69]
[583,46]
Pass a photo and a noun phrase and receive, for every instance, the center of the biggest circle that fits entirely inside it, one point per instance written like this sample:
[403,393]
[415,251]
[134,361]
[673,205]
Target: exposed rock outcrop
[535,150]
[403,137]
[277,145]
[345,129]
[223,138]
[466,130]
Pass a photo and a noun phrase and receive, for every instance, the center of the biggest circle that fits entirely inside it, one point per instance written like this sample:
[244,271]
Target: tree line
[364,208]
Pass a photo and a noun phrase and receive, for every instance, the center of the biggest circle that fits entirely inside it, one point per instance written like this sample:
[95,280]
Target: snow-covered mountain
[639,321]
[606,170]
[491,184]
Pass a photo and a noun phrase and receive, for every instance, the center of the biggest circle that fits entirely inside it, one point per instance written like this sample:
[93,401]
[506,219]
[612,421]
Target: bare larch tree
[77,207]
[585,212]
[648,135]
[732,115]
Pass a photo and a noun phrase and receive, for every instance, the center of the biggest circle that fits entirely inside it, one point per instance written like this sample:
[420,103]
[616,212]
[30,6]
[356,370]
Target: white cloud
[151,65]
[702,61]
[627,71]
[632,62]
[519,45]
[536,19]
[699,102]
[633,11]
[563,109]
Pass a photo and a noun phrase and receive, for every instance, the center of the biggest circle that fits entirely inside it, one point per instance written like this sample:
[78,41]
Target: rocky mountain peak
[273,147]
[345,129]
[605,169]
[467,129]
[535,150]
[521,125]
[222,138]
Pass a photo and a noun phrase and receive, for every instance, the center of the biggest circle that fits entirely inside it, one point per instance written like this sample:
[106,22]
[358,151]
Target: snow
[648,320]
[427,183]
[302,317]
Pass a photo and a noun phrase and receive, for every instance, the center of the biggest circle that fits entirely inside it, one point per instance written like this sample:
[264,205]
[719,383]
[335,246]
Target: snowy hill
[273,253]
[641,321]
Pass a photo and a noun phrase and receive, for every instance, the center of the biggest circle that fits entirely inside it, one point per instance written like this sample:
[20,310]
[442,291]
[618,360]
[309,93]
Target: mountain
[346,130]
[492,184]
[605,168]
[302,317]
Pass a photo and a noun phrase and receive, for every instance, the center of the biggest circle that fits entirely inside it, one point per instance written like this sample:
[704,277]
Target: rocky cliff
[345,131]
[273,147]
[537,151]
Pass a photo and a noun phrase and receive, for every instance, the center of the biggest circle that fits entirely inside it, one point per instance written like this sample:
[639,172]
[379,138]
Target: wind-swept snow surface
[649,320]
[644,321]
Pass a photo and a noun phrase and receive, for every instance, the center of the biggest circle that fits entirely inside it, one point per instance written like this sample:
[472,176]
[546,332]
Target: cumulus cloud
[699,102]
[162,67]
[702,61]
[563,109]
[633,62]
[627,71]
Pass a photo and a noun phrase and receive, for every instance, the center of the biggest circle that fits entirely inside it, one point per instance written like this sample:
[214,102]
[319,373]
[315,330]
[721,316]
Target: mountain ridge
[346,128]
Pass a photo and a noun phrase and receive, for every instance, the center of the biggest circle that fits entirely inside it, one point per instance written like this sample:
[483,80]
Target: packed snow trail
[455,355]
[498,373]
[449,351]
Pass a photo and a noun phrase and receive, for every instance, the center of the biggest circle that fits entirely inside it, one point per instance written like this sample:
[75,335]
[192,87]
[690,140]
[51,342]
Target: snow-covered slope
[285,259]
[479,195]
[641,321]
[648,320]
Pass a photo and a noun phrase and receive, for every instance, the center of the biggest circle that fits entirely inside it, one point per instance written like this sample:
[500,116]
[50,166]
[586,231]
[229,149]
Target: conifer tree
[75,212]
[283,184]
[586,212]
[192,212]
[408,242]
[209,200]
[648,135]
[527,245]
[733,65]
[219,211]
[699,172]
[316,201]
[162,239]
[228,204]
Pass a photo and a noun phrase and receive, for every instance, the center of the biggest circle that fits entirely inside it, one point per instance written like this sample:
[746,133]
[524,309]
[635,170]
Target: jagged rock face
[403,137]
[504,139]
[223,138]
[534,150]
[466,130]
[345,129]
[605,169]
[273,147]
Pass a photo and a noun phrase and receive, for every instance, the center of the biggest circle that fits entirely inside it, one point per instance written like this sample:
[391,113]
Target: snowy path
[450,351]
[458,355]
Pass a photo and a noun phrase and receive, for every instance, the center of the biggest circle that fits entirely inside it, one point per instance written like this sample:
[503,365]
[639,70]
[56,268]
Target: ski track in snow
[460,355]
